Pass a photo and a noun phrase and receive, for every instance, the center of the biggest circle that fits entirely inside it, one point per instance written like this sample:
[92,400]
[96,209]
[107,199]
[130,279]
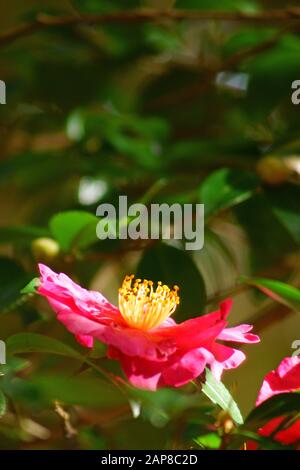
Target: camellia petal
[239,334]
[148,374]
[284,379]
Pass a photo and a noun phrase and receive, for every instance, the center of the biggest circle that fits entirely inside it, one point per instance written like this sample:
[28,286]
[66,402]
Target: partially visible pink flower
[153,350]
[284,379]
[289,436]
[286,436]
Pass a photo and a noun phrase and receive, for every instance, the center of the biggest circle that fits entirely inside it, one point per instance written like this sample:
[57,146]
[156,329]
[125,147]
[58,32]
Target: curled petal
[239,334]
[65,295]
[223,357]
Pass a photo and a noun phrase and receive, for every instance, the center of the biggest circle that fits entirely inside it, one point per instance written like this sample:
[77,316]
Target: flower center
[144,307]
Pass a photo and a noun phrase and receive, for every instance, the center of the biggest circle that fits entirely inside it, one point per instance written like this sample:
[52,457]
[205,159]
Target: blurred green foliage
[93,111]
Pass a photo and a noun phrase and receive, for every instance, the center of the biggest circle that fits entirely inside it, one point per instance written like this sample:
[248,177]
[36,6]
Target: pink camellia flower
[153,350]
[288,436]
[284,379]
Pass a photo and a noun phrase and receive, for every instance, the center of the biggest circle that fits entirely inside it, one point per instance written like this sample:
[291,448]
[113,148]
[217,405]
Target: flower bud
[225,422]
[273,170]
[45,249]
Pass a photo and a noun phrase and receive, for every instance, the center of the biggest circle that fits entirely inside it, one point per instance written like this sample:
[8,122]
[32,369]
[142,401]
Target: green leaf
[245,38]
[218,393]
[279,291]
[211,440]
[139,138]
[277,64]
[44,389]
[264,443]
[36,343]
[165,404]
[92,6]
[81,391]
[161,38]
[2,403]
[285,207]
[12,280]
[278,405]
[259,221]
[33,342]
[215,240]
[226,188]
[13,364]
[36,169]
[31,287]
[74,229]
[175,267]
[21,234]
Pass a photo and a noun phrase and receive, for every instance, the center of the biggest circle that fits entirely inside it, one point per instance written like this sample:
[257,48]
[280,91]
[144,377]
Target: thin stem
[236,289]
[43,21]
[153,191]
[104,372]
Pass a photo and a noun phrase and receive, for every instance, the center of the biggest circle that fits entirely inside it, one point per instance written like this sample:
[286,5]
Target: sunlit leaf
[74,229]
[211,440]
[31,287]
[2,403]
[218,393]
[226,188]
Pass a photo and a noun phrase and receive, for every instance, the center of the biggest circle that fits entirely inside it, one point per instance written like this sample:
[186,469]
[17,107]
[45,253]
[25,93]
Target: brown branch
[138,16]
[197,87]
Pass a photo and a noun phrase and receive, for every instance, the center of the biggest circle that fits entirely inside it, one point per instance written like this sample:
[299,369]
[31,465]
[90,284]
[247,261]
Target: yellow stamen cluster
[144,307]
